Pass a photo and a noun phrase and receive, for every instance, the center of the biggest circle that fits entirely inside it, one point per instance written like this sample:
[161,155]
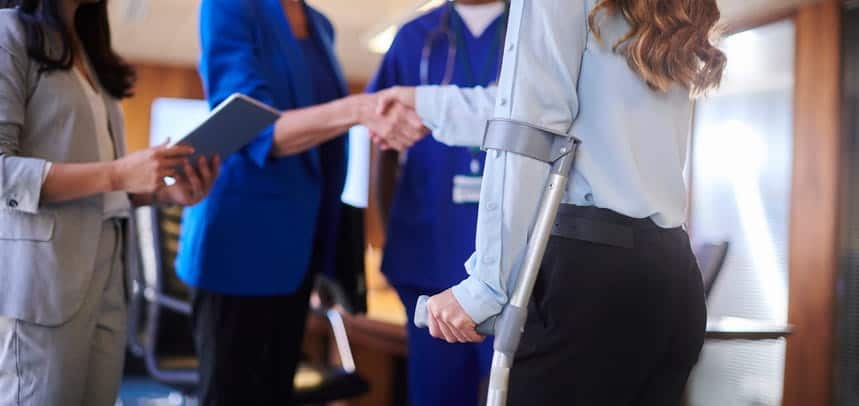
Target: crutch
[559,150]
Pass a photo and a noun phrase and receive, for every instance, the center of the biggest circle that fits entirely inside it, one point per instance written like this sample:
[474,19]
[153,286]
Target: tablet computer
[230,126]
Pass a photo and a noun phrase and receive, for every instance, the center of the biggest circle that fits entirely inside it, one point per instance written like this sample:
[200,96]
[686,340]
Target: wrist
[407,95]
[362,108]
[114,176]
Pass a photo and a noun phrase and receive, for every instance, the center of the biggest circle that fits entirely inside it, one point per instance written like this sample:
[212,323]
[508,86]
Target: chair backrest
[169,223]
[160,333]
[711,260]
[167,348]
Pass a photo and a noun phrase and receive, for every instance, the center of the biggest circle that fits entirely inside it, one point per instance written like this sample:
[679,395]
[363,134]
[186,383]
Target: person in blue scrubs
[431,223]
[251,249]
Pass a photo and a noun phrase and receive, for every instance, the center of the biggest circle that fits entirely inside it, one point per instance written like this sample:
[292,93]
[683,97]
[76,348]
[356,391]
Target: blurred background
[772,172]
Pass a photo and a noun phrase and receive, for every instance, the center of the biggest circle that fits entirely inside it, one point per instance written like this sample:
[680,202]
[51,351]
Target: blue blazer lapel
[317,26]
[298,75]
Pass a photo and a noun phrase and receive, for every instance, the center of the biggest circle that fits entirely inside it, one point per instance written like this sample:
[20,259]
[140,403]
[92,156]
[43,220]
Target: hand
[144,171]
[194,184]
[447,320]
[397,94]
[394,125]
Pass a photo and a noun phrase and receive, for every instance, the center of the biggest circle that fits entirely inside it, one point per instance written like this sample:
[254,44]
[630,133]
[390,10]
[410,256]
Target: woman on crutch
[617,315]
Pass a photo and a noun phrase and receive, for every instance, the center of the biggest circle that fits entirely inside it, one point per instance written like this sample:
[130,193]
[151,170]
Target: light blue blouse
[556,75]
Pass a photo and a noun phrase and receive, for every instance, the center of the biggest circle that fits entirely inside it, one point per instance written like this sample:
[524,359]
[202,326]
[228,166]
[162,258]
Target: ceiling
[165,31]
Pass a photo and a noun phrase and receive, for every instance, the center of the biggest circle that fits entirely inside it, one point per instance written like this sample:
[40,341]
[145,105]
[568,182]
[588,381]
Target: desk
[734,328]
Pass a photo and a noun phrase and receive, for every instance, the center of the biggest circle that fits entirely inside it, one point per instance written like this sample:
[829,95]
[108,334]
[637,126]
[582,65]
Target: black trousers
[617,317]
[248,346]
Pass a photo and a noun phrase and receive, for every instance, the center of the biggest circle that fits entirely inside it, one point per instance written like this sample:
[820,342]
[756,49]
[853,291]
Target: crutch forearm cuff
[527,140]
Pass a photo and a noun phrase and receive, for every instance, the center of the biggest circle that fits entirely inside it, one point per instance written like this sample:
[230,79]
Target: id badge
[466,189]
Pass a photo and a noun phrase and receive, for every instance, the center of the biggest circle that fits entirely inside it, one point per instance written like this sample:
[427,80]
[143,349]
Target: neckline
[496,8]
[89,87]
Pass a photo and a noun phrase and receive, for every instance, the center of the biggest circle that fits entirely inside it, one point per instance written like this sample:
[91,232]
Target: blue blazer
[255,232]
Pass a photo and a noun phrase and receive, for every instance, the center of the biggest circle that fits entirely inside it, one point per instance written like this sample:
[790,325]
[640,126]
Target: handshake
[391,118]
[389,115]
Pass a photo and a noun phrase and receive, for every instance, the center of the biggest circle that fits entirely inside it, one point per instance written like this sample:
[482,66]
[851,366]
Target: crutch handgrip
[487,328]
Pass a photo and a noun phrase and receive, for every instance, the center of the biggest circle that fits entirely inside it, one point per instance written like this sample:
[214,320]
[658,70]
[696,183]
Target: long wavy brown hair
[670,41]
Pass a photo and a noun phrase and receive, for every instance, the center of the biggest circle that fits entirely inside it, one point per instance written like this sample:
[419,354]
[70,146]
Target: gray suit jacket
[47,251]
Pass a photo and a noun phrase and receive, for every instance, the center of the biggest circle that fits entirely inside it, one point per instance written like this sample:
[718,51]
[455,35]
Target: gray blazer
[47,251]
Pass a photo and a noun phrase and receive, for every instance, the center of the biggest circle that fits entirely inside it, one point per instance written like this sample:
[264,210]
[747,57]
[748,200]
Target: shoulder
[226,9]
[12,34]
[416,31]
[317,15]
[424,24]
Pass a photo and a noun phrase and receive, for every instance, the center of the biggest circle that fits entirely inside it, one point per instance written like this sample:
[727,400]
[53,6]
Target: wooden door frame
[815,206]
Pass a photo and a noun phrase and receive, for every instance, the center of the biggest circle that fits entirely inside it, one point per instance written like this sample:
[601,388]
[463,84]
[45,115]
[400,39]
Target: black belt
[599,226]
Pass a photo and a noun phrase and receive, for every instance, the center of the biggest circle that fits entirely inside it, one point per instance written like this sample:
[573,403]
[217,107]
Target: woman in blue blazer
[250,249]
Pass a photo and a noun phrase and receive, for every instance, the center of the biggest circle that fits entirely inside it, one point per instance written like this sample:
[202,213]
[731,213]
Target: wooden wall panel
[814,228]
[154,81]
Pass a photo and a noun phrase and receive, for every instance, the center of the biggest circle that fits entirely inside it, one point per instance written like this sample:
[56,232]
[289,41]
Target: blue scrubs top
[429,236]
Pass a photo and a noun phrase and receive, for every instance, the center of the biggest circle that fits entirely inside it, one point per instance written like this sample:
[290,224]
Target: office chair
[157,288]
[711,259]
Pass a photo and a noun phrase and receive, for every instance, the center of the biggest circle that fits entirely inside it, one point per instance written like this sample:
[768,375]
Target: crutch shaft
[510,325]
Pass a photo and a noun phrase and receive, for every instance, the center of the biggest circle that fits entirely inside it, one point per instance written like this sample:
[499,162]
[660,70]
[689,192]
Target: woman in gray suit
[66,195]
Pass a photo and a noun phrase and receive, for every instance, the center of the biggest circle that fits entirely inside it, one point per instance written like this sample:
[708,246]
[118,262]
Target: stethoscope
[444,30]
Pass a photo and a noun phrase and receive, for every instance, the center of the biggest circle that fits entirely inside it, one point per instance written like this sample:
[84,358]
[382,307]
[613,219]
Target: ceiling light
[381,42]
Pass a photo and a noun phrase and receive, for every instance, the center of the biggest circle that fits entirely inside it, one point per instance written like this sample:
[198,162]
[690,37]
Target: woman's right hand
[144,171]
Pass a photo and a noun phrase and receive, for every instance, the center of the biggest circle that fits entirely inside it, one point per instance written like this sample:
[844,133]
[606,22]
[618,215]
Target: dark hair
[92,27]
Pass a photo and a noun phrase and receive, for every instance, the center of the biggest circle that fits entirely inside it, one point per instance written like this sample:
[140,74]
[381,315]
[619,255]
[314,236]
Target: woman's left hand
[448,321]
[194,184]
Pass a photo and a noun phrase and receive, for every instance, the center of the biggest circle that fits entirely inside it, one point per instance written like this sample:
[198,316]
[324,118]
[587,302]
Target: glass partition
[740,176]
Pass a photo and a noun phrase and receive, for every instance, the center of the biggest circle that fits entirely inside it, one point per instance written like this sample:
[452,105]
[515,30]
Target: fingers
[207,169]
[450,335]
[400,128]
[469,330]
[216,167]
[433,325]
[380,142]
[386,100]
[414,120]
[449,321]
[446,329]
[442,330]
[193,177]
[171,163]
[177,151]
[396,95]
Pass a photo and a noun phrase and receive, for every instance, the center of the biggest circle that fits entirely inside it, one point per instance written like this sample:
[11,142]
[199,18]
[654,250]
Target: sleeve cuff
[48,166]
[478,300]
[427,105]
[25,190]
[259,150]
